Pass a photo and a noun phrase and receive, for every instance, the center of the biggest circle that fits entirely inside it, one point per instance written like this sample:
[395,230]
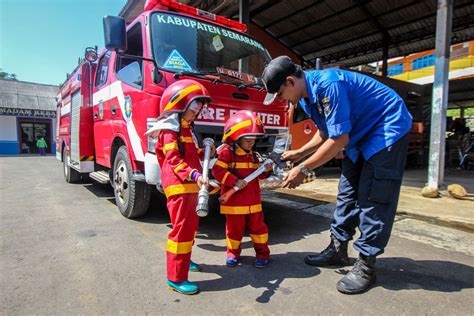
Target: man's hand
[200,183]
[294,178]
[240,184]
[292,155]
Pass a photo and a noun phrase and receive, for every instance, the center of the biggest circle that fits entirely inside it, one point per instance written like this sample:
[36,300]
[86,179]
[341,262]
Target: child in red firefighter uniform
[178,156]
[236,160]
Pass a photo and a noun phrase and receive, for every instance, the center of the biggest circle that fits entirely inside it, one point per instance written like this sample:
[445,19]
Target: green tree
[7,76]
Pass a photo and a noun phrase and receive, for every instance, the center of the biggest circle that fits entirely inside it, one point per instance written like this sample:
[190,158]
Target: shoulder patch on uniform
[326,106]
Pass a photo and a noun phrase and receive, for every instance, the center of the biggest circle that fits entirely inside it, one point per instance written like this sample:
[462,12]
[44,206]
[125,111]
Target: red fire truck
[109,101]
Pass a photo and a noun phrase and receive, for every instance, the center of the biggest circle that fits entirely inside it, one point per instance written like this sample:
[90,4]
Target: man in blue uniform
[371,122]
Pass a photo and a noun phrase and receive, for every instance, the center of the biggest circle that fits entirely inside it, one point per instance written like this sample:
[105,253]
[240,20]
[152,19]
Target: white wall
[8,128]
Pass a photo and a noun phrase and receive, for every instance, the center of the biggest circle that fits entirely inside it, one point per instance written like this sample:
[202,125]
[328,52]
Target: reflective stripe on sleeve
[221,164]
[181,166]
[169,146]
[225,177]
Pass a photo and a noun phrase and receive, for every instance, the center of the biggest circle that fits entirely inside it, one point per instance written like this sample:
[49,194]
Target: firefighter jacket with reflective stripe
[231,166]
[176,166]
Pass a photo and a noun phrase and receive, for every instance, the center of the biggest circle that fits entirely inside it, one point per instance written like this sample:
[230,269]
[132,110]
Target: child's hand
[200,182]
[269,167]
[240,184]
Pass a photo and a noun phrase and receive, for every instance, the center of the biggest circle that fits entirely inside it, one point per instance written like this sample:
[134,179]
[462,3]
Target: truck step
[100,176]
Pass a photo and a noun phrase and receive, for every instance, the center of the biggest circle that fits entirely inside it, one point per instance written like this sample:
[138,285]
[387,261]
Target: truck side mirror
[115,33]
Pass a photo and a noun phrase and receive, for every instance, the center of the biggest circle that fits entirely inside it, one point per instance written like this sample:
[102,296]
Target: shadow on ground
[281,267]
[397,274]
[285,226]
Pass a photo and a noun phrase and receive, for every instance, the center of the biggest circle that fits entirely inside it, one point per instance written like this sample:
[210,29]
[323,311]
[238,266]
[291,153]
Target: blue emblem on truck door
[101,110]
[128,107]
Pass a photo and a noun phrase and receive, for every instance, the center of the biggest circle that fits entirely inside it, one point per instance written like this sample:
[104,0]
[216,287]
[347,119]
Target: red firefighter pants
[182,209]
[235,228]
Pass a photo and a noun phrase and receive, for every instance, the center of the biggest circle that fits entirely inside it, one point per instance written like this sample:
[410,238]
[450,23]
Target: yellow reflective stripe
[186,139]
[184,123]
[240,152]
[190,174]
[238,210]
[179,248]
[225,177]
[214,190]
[259,239]
[183,93]
[245,165]
[236,127]
[221,164]
[255,208]
[181,166]
[232,244]
[169,146]
[181,189]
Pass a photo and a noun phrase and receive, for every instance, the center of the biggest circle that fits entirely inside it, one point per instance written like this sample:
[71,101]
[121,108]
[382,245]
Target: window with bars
[423,62]
[395,70]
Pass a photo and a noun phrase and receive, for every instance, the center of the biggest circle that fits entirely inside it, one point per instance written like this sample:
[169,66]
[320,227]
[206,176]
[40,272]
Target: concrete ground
[66,249]
[444,210]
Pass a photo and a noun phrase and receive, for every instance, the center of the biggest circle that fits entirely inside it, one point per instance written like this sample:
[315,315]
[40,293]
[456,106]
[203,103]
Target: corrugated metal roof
[349,32]
[27,95]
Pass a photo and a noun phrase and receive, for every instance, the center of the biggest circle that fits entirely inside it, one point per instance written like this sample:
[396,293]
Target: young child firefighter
[236,160]
[178,156]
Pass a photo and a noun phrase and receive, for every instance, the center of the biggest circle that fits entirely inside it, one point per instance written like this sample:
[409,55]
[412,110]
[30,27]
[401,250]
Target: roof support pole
[385,56]
[244,17]
[461,112]
[440,95]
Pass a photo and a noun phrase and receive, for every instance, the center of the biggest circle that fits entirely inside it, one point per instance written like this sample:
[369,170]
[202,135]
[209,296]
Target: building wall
[461,65]
[9,144]
[9,133]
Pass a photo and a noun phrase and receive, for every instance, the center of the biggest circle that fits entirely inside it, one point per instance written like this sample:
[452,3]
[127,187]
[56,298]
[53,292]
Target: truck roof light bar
[180,7]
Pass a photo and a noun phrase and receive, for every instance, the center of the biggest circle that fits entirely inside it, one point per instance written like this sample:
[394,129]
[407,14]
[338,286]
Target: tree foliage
[7,76]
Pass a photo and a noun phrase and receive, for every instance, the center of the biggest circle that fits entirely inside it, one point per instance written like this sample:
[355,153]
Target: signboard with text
[27,112]
[214,115]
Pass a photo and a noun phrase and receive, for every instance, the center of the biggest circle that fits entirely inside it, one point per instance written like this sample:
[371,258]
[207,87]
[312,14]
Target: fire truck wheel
[71,175]
[132,197]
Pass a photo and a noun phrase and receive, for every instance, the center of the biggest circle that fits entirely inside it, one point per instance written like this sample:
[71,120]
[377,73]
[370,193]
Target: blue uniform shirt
[344,102]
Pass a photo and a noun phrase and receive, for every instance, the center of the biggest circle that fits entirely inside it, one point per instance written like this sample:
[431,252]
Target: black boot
[334,255]
[360,278]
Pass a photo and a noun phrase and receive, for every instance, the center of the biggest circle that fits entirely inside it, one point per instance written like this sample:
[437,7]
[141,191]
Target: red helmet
[242,124]
[179,95]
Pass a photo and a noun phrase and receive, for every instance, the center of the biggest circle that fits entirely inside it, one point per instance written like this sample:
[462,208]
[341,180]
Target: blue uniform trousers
[368,198]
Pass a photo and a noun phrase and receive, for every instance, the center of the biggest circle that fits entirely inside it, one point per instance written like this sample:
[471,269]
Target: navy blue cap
[274,75]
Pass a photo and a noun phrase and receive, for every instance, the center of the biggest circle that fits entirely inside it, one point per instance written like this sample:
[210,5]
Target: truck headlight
[150,140]
[151,144]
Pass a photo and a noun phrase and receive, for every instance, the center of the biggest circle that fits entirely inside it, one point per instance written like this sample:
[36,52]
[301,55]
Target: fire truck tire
[132,197]
[70,175]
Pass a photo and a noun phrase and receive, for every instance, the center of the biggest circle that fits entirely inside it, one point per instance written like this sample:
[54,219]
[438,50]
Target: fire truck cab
[107,104]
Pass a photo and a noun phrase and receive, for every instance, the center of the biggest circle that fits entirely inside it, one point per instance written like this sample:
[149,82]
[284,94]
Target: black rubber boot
[360,278]
[334,255]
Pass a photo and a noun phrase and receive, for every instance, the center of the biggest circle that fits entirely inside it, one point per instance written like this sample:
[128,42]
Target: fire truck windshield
[184,44]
